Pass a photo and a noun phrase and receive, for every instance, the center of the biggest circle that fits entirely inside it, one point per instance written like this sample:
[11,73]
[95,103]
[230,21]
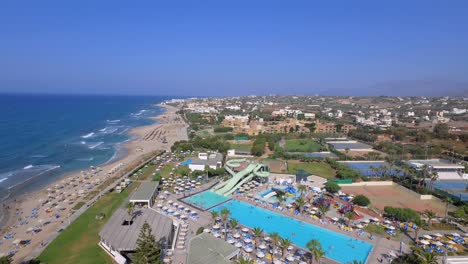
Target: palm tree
[425,257]
[346,150]
[323,210]
[130,209]
[275,239]
[313,246]
[300,203]
[224,218]
[373,169]
[434,177]
[319,255]
[302,189]
[233,223]
[242,260]
[355,262]
[214,215]
[257,232]
[280,197]
[285,243]
[430,215]
[448,201]
[349,215]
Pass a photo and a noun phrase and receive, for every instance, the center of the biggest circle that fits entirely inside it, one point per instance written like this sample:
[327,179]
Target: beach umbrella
[166,260]
[288,205]
[365,221]
[277,261]
[428,237]
[438,235]
[424,242]
[455,234]
[290,258]
[375,219]
[238,245]
[159,205]
[231,241]
[175,204]
[267,238]
[206,230]
[248,249]
[359,226]
[260,254]
[387,222]
[16,241]
[451,242]
[247,240]
[216,227]
[187,209]
[176,213]
[216,235]
[164,208]
[262,246]
[236,235]
[245,230]
[438,243]
[335,219]
[170,210]
[393,228]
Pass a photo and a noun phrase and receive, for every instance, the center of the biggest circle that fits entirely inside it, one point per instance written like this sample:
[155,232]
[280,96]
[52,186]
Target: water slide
[238,179]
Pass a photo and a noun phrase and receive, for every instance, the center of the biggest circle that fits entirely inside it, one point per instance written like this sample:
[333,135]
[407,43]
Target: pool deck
[381,245]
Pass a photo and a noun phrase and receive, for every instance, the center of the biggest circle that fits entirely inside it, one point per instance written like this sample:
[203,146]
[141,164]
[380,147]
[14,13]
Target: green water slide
[239,178]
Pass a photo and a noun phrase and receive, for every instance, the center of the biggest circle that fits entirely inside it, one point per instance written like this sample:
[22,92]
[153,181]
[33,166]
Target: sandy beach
[33,218]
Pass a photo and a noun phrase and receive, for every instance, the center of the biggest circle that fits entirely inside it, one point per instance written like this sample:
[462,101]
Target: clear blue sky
[234,47]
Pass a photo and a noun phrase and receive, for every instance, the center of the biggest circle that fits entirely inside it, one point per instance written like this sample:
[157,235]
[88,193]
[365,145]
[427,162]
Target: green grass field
[242,147]
[302,145]
[79,242]
[316,168]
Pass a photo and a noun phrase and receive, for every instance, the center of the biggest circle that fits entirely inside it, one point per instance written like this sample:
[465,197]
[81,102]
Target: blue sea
[45,136]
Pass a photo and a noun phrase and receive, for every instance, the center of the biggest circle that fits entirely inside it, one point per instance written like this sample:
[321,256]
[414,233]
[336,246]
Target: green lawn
[302,145]
[79,242]
[316,168]
[242,147]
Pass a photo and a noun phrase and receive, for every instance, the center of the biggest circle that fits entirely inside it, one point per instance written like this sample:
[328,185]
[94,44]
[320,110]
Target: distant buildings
[212,160]
[331,128]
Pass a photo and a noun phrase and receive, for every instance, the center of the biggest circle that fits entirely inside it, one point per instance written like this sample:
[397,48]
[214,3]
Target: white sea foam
[86,159]
[3,179]
[88,135]
[28,167]
[113,121]
[95,145]
[83,142]
[38,156]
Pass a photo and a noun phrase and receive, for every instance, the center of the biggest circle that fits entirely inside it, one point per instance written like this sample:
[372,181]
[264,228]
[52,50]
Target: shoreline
[62,194]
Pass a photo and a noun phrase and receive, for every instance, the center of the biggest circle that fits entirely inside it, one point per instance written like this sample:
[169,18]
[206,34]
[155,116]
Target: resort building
[205,248]
[235,121]
[145,194]
[330,127]
[212,160]
[120,234]
[445,170]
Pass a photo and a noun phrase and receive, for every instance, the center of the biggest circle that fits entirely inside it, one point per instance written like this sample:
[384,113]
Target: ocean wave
[83,142]
[28,167]
[123,131]
[38,156]
[109,130]
[95,145]
[88,135]
[37,170]
[113,121]
[86,159]
[3,179]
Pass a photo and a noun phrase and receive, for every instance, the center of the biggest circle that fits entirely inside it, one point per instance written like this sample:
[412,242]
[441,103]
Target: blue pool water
[365,168]
[273,199]
[186,163]
[205,200]
[338,247]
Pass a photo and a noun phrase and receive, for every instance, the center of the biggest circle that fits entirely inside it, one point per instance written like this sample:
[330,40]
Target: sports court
[395,196]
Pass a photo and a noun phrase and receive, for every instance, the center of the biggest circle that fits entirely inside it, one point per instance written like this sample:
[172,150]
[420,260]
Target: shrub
[200,230]
[361,200]
[332,187]
[402,214]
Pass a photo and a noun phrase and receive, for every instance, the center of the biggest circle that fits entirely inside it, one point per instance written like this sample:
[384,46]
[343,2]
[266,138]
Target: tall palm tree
[434,177]
[425,257]
[430,215]
[285,243]
[275,239]
[319,254]
[313,246]
[280,197]
[448,201]
[130,209]
[224,218]
[214,215]
[346,150]
[300,204]
[302,189]
[257,232]
[323,210]
[233,224]
[355,262]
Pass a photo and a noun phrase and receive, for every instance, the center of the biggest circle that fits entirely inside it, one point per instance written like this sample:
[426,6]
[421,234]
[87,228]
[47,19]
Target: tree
[242,260]
[323,210]
[285,243]
[275,239]
[130,209]
[332,187]
[224,218]
[425,257]
[349,215]
[214,215]
[361,200]
[302,189]
[257,232]
[448,201]
[280,198]
[300,204]
[233,223]
[347,152]
[147,251]
[314,247]
[430,215]
[441,131]
[5,260]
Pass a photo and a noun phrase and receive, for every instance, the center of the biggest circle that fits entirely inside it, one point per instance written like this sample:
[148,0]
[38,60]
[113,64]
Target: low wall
[368,183]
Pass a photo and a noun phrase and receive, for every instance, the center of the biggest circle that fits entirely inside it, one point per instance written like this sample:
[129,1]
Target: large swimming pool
[338,247]
[206,199]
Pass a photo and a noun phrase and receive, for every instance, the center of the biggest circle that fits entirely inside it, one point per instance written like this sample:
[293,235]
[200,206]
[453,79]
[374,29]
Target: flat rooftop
[145,191]
[124,237]
[435,163]
[205,248]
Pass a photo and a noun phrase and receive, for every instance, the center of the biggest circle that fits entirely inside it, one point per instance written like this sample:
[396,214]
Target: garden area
[321,169]
[302,145]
